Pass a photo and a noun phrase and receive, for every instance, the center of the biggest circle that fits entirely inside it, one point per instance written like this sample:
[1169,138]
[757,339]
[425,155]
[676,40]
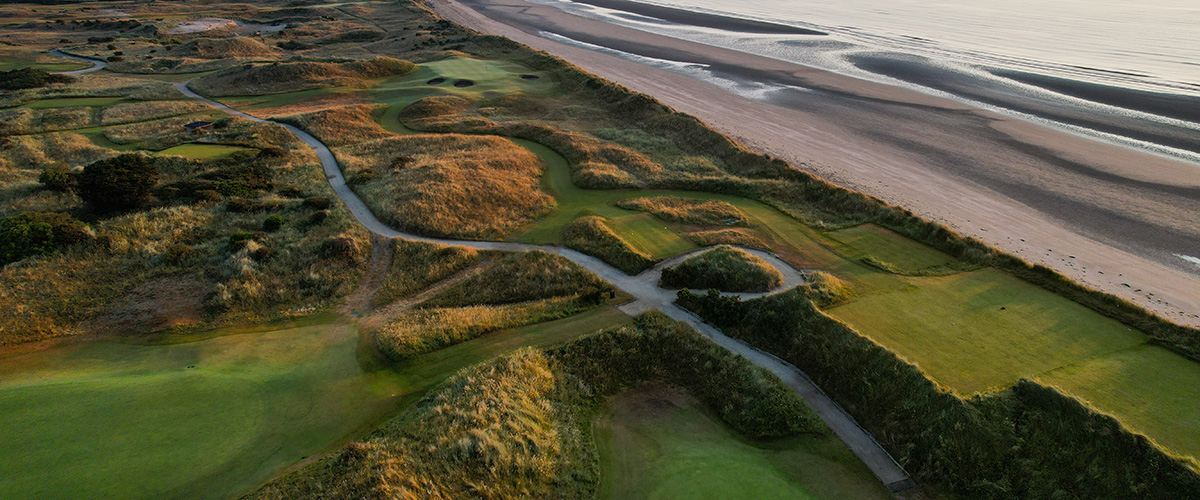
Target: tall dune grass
[591,235]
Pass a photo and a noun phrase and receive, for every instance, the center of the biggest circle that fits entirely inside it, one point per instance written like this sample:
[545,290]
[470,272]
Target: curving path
[97,64]
[647,296]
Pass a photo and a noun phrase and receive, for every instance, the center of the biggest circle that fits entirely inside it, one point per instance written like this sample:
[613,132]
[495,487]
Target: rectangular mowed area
[984,329]
[887,246]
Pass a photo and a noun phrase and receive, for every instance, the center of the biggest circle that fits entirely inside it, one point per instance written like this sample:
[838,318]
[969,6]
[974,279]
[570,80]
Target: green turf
[211,418]
[953,327]
[1148,388]
[659,443]
[490,77]
[71,102]
[202,151]
[650,235]
[7,64]
[887,246]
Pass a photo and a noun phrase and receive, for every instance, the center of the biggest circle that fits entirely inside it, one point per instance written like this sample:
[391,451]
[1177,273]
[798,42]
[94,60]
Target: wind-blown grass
[591,235]
[417,265]
[687,211]
[724,268]
[521,277]
[279,77]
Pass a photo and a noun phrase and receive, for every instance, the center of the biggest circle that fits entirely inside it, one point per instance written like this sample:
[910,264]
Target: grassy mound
[521,277]
[341,126]
[417,265]
[221,48]
[687,211]
[517,427]
[737,236]
[448,185]
[724,268]
[591,235]
[279,77]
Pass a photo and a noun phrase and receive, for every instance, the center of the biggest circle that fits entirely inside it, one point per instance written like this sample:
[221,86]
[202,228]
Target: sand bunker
[530,77]
[464,83]
[436,81]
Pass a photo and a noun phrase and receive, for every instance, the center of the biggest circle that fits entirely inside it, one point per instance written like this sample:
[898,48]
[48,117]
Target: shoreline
[1047,196]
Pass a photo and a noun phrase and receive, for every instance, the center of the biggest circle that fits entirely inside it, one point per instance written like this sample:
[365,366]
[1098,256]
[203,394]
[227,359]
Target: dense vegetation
[724,268]
[1027,442]
[30,78]
[38,233]
[416,265]
[119,183]
[291,76]
[591,235]
[517,427]
[520,277]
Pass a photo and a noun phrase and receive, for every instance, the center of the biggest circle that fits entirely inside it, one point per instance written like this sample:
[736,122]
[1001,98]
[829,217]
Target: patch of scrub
[660,443]
[1149,389]
[984,329]
[202,151]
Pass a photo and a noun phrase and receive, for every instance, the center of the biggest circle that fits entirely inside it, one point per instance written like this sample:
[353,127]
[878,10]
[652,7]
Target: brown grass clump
[521,277]
[426,330]
[343,125]
[448,184]
[417,265]
[591,235]
[222,48]
[725,268]
[732,236]
[280,77]
[149,110]
[687,211]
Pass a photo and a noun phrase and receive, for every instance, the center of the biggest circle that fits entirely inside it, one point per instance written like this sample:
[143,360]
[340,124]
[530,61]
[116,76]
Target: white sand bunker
[204,24]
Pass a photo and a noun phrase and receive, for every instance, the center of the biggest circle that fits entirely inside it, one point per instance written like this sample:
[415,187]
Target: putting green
[660,443]
[1149,389]
[212,418]
[202,151]
[984,329]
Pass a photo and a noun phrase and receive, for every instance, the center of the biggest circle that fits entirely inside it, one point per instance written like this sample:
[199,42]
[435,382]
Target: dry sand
[1107,216]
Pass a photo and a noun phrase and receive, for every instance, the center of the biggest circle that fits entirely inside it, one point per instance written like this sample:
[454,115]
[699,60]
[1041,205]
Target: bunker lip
[436,81]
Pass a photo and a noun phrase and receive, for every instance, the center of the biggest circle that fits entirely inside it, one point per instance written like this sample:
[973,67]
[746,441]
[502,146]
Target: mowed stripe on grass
[984,329]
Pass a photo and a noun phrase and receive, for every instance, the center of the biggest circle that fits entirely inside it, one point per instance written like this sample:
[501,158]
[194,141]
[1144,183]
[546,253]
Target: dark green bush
[38,233]
[273,223]
[57,178]
[29,78]
[119,183]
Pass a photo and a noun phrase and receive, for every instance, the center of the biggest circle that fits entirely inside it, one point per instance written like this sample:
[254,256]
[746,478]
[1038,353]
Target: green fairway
[211,418]
[887,246]
[1150,389]
[71,102]
[660,443]
[201,151]
[488,78]
[984,329]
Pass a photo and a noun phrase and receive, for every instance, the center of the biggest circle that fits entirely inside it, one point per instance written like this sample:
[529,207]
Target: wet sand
[1110,217]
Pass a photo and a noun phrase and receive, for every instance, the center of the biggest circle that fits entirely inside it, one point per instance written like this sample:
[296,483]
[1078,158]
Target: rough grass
[517,427]
[222,48]
[279,77]
[417,265]
[521,277]
[724,268]
[591,235]
[736,236]
[341,126]
[687,211]
[448,185]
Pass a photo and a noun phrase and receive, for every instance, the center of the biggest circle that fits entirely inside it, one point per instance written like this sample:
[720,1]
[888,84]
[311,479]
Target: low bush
[724,268]
[29,78]
[57,178]
[591,235]
[317,202]
[273,223]
[38,233]
[120,183]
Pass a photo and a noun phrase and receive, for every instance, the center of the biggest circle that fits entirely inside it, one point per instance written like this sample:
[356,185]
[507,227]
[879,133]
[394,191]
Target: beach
[1117,219]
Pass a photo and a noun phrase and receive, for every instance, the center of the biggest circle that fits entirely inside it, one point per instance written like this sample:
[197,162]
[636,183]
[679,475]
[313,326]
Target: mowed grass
[489,78]
[660,443]
[202,151]
[651,235]
[71,102]
[983,329]
[887,246]
[204,419]
[1150,389]
[212,418]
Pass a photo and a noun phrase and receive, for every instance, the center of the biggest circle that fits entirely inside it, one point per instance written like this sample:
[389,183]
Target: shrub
[38,233]
[273,223]
[318,217]
[244,205]
[317,202]
[57,178]
[120,183]
[724,268]
[29,78]
[341,247]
